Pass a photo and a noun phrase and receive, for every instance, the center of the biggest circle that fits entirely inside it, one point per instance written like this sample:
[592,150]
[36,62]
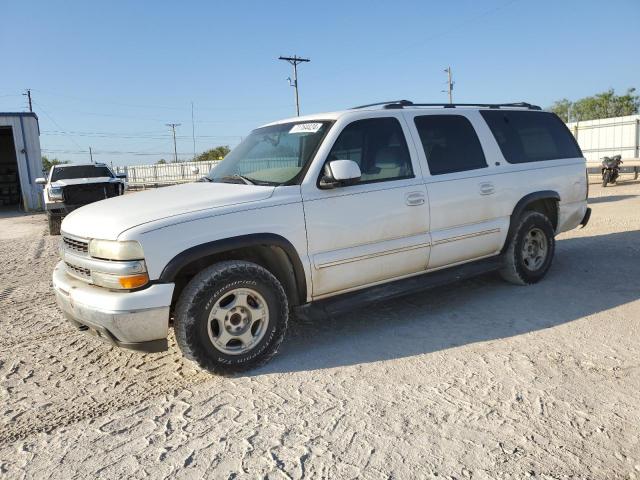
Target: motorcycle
[610,169]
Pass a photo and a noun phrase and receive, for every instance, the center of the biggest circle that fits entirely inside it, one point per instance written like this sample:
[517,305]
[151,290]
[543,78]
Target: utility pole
[91,154]
[449,84]
[173,129]
[295,60]
[28,95]
[193,132]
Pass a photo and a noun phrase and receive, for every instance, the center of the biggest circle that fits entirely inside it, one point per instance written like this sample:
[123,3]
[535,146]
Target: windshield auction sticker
[306,128]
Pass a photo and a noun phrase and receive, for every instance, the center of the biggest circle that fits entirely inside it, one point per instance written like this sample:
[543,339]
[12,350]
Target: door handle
[487,188]
[414,198]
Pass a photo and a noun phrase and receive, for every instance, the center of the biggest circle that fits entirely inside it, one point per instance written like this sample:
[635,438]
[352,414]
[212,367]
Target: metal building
[608,136]
[20,161]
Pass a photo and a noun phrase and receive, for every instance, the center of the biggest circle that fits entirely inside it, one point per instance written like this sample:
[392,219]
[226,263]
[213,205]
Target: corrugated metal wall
[608,136]
[26,138]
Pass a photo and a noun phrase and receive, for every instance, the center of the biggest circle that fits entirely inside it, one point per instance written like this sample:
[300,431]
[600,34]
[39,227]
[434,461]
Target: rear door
[466,221]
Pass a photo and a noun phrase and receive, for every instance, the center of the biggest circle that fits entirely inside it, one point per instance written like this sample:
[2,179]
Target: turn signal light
[133,281]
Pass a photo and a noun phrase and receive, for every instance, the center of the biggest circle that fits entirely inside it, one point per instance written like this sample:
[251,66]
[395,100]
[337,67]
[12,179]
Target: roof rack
[407,103]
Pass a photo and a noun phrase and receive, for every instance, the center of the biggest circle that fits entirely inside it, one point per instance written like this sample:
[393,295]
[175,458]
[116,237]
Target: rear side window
[379,148]
[531,136]
[450,143]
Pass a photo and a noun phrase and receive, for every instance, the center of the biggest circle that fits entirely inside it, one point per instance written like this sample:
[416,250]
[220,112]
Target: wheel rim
[238,321]
[534,249]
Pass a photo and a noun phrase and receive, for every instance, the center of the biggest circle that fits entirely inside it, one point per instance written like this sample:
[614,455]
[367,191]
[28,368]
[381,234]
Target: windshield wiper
[236,176]
[246,180]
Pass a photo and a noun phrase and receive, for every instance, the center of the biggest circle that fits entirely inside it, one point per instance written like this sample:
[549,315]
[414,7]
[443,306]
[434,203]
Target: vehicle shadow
[610,198]
[476,310]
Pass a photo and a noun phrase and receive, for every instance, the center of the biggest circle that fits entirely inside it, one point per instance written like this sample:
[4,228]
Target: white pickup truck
[68,187]
[317,213]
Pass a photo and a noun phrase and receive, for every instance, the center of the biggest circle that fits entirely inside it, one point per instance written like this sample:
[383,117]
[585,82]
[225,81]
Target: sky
[111,75]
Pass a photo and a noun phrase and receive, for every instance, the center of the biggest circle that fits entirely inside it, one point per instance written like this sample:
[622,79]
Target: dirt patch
[474,380]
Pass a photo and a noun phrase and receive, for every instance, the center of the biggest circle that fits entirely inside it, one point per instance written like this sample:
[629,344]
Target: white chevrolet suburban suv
[317,213]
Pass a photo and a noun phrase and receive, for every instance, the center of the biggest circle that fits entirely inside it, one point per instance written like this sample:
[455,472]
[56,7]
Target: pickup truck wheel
[530,251]
[54,222]
[231,317]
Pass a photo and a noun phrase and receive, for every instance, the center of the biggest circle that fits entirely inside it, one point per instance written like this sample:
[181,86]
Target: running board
[350,301]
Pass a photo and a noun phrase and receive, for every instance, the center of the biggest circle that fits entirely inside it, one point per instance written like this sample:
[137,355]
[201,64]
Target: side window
[379,148]
[531,136]
[450,143]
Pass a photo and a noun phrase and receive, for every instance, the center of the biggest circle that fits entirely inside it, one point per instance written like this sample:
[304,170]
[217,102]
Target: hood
[63,182]
[108,218]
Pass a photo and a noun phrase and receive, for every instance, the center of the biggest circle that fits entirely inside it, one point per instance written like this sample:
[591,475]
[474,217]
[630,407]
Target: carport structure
[20,161]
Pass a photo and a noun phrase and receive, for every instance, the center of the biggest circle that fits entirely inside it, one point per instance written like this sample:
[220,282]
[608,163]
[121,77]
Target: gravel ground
[479,379]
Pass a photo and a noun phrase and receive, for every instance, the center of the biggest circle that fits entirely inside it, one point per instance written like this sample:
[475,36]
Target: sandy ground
[479,379]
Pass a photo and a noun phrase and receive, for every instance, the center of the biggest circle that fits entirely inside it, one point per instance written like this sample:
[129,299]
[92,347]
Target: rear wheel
[530,252]
[231,317]
[54,222]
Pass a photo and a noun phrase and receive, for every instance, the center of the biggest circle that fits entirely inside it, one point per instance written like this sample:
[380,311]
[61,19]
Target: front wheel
[606,178]
[530,251]
[231,317]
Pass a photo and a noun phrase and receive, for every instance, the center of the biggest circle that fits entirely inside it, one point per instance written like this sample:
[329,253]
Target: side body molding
[219,246]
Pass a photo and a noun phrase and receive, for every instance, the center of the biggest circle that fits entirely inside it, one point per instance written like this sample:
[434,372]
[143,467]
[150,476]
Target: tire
[523,269]
[226,297]
[605,178]
[54,222]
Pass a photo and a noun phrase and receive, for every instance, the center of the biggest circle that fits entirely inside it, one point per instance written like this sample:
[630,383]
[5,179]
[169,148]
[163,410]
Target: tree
[162,161]
[561,108]
[48,163]
[217,153]
[601,105]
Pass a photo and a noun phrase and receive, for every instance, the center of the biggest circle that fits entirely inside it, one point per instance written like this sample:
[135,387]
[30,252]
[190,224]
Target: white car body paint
[350,237]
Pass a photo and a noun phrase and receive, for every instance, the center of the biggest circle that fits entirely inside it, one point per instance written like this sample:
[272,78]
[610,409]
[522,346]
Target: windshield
[79,171]
[272,155]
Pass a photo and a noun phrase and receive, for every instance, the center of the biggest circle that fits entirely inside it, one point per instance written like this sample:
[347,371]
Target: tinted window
[79,171]
[450,143]
[378,146]
[531,136]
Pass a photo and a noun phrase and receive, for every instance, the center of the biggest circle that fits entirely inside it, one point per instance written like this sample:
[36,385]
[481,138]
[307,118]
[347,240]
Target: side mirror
[195,170]
[40,181]
[340,173]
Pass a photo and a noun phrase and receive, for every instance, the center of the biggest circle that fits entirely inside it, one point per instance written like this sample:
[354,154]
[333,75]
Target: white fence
[144,176]
[608,136]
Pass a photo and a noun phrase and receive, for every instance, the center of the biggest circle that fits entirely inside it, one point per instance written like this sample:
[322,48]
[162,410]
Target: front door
[376,229]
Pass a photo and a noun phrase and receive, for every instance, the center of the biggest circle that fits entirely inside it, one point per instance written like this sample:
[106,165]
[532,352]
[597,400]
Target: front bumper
[137,320]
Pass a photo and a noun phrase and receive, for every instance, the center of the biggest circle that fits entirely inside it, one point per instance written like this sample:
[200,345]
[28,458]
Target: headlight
[114,250]
[55,193]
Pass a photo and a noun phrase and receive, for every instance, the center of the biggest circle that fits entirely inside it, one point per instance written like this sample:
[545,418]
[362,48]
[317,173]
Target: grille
[75,245]
[83,194]
[83,273]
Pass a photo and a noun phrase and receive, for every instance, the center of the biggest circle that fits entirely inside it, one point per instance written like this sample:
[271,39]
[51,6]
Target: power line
[166,107]
[294,61]
[57,124]
[133,136]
